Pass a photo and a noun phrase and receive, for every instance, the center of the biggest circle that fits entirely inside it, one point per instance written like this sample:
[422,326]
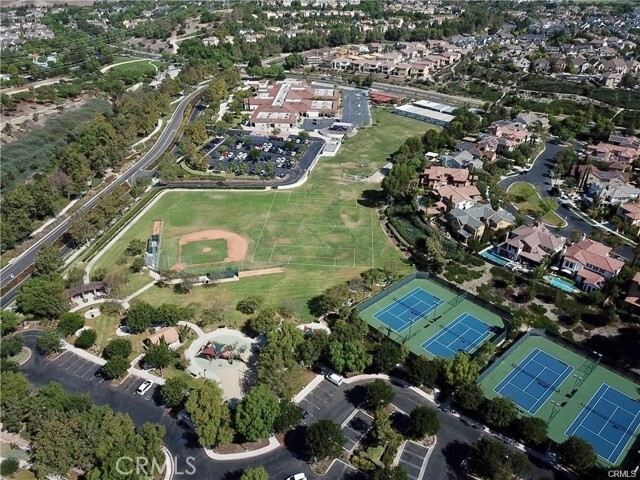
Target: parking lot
[265,157]
[355,428]
[355,107]
[318,403]
[414,460]
[88,371]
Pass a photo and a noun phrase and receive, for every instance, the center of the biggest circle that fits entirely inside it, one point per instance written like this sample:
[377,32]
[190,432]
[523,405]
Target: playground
[430,318]
[226,356]
[573,392]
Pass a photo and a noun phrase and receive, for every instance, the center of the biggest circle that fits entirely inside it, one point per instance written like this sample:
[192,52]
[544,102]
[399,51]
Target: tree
[15,387]
[548,204]
[288,417]
[159,356]
[500,412]
[434,253]
[386,355]
[255,473]
[171,314]
[175,390]
[209,414]
[460,369]
[140,317]
[264,322]
[348,356]
[137,265]
[257,413]
[43,297]
[313,347]
[493,460]
[250,304]
[396,183]
[324,439]
[577,453]
[115,367]
[118,347]
[424,421]
[9,322]
[135,247]
[469,396]
[389,473]
[532,430]
[11,346]
[49,341]
[378,394]
[47,261]
[69,323]
[422,371]
[86,339]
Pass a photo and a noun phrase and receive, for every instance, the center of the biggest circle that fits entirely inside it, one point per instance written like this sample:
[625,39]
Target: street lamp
[578,379]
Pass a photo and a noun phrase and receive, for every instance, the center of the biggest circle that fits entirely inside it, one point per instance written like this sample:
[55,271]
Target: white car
[144,388]
[297,476]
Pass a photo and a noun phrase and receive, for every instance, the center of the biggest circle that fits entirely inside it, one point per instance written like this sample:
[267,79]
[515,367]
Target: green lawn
[205,251]
[322,232]
[531,205]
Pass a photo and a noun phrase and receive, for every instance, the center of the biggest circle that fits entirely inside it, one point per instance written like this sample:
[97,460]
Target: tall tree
[378,394]
[255,473]
[324,439]
[47,261]
[210,415]
[460,369]
[500,412]
[424,421]
[116,367]
[43,297]
[175,390]
[257,413]
[577,453]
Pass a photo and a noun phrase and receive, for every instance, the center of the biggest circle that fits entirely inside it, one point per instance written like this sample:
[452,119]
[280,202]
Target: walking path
[273,444]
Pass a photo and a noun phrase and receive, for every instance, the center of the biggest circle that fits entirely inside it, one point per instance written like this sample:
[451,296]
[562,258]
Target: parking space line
[63,359]
[91,369]
[84,364]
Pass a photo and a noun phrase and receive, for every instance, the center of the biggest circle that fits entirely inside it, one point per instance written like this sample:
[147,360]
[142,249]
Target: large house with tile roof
[474,221]
[589,262]
[530,243]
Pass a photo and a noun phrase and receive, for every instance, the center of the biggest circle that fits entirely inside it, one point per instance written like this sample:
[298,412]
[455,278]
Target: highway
[23,262]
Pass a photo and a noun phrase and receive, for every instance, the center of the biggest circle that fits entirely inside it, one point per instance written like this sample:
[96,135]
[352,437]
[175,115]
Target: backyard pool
[492,257]
[563,285]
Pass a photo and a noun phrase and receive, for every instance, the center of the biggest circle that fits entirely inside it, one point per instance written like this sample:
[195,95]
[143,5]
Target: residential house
[530,243]
[614,195]
[461,197]
[610,153]
[589,262]
[436,176]
[532,120]
[463,159]
[167,335]
[587,175]
[633,298]
[541,65]
[630,213]
[479,218]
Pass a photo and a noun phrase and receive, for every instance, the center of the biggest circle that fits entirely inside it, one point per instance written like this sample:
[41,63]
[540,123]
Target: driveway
[325,401]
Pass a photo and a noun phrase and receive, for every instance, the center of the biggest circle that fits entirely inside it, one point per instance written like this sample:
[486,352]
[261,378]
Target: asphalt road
[539,176]
[26,260]
[76,374]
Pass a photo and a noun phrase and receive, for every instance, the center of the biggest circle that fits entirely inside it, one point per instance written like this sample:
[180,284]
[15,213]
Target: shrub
[69,323]
[9,466]
[118,347]
[86,339]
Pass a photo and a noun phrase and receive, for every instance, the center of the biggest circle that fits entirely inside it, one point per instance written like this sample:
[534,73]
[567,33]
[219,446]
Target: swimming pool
[492,257]
[563,285]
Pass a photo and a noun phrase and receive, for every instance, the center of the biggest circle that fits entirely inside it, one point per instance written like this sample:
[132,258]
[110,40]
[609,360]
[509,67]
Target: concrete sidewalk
[273,444]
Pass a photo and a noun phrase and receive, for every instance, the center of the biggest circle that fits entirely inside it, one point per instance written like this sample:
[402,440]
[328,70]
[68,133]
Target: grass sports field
[322,232]
[539,375]
[430,319]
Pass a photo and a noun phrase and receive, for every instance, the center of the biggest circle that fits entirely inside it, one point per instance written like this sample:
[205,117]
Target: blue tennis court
[465,333]
[533,381]
[408,309]
[608,422]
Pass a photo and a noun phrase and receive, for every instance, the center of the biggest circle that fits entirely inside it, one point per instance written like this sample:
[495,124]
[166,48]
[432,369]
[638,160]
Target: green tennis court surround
[569,388]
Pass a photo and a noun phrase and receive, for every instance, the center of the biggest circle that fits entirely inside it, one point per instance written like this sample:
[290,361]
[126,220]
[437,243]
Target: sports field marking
[264,225]
[465,333]
[307,252]
[534,380]
[311,200]
[610,415]
[408,309]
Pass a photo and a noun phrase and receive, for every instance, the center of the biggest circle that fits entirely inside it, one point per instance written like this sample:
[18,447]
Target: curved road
[24,261]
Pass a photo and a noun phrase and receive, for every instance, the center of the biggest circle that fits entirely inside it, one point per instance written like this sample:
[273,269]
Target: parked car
[334,378]
[297,476]
[144,387]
